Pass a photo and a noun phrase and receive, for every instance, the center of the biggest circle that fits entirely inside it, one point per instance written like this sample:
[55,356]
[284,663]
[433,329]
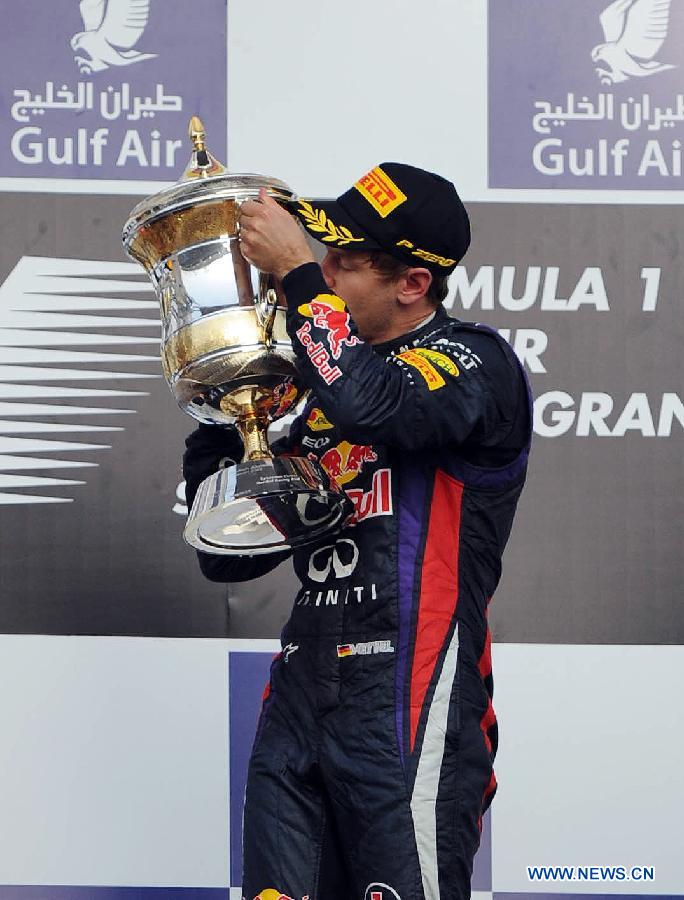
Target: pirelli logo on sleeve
[430,374]
[380,191]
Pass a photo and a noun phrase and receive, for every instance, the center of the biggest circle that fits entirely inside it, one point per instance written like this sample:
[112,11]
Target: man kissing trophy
[228,360]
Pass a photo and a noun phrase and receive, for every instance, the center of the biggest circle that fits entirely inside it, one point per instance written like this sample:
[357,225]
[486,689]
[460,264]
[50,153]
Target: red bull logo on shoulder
[272,894]
[329,312]
[345,461]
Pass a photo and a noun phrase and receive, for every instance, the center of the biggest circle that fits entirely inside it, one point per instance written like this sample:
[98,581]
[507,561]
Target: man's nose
[327,270]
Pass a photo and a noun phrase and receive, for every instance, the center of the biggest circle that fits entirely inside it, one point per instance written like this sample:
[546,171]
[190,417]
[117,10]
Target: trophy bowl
[228,360]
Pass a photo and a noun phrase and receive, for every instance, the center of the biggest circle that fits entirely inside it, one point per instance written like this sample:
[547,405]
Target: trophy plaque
[228,360]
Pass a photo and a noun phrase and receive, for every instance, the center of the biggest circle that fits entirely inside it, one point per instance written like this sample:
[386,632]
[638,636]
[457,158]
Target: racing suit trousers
[334,810]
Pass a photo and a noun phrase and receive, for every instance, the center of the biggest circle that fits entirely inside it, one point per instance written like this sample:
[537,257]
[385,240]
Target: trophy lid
[205,180]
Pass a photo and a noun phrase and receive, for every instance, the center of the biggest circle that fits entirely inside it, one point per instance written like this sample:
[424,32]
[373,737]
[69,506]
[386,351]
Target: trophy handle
[266,304]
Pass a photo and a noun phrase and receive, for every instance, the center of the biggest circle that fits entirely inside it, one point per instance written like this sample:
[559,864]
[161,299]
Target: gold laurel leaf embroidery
[318,222]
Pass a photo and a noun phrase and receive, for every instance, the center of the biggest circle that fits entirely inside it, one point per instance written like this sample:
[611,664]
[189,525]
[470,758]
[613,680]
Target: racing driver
[372,765]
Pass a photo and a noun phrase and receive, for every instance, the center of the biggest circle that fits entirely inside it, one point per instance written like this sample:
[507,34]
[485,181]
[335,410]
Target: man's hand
[270,238]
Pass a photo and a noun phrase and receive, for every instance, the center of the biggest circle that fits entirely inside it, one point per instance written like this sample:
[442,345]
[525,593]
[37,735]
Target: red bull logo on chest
[320,358]
[375,502]
[345,461]
[329,312]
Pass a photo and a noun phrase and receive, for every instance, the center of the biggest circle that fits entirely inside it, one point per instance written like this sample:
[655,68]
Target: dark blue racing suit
[372,765]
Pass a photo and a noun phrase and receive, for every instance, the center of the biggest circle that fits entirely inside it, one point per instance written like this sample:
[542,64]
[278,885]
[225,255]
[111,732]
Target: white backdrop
[114,762]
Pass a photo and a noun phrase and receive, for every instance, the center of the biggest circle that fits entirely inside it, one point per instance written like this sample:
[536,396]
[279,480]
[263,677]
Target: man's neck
[398,329]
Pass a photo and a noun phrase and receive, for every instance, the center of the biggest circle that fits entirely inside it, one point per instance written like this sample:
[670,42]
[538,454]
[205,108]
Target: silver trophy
[228,359]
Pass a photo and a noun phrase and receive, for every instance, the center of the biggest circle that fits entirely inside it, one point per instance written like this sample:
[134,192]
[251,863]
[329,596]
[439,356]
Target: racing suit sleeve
[418,398]
[207,449]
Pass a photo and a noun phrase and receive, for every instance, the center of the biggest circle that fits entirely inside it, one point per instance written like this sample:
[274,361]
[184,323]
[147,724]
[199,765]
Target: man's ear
[414,285]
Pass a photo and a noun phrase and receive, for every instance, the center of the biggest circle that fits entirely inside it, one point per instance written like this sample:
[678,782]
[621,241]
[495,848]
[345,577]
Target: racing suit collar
[411,337]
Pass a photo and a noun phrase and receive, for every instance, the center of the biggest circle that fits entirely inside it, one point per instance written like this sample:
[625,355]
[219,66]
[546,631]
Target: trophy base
[264,506]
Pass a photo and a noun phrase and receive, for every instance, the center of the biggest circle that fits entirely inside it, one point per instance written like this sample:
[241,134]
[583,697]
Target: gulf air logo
[54,386]
[112,29]
[380,191]
[634,32]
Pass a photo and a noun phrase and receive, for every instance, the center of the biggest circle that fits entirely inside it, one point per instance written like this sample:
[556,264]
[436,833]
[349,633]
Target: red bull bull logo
[272,894]
[345,461]
[330,313]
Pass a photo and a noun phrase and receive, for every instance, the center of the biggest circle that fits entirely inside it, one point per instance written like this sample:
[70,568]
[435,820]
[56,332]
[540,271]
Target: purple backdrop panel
[586,95]
[109,96]
[247,674]
[482,864]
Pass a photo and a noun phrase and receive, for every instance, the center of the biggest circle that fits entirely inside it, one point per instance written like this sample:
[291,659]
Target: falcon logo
[55,317]
[634,32]
[112,29]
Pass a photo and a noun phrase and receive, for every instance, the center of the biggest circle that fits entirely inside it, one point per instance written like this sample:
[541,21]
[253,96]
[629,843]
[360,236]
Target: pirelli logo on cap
[380,191]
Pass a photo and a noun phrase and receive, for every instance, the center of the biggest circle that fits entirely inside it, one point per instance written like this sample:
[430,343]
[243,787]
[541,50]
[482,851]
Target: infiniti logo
[340,558]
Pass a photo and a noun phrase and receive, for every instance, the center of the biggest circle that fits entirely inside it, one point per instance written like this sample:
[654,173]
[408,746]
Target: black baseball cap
[408,213]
